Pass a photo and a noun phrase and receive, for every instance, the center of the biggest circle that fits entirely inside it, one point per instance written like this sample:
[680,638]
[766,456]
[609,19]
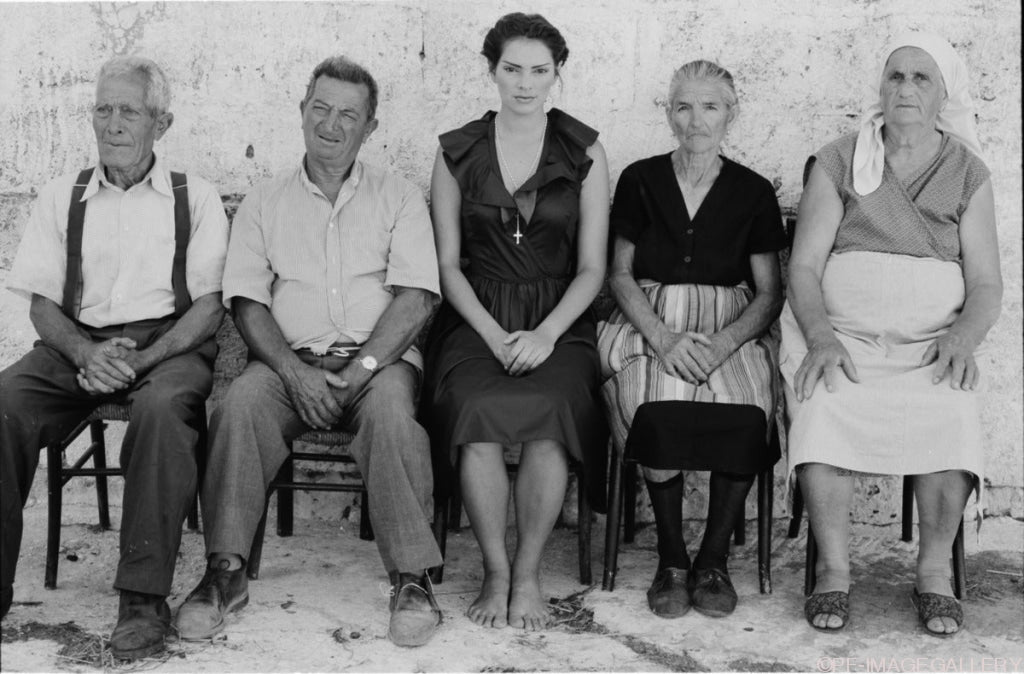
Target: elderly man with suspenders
[122,264]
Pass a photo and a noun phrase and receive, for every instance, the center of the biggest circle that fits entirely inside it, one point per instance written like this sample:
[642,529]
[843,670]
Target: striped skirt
[633,373]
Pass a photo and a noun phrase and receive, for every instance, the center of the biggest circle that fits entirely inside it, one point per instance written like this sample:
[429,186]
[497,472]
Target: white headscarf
[956,119]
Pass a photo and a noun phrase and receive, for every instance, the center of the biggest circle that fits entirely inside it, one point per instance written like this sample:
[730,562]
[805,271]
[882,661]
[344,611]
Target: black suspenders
[72,304]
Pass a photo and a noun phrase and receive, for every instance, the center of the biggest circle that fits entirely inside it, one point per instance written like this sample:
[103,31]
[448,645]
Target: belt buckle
[342,351]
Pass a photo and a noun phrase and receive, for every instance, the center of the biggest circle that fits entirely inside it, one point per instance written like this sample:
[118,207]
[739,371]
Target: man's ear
[370,128]
[163,122]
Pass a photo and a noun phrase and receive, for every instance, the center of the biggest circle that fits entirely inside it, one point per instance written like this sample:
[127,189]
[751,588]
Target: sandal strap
[836,602]
[933,605]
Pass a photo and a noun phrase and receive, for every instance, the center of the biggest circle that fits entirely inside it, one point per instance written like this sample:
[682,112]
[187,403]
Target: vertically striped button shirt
[327,272]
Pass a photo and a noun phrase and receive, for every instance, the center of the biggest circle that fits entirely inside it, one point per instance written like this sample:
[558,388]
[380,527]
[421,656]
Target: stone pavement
[320,605]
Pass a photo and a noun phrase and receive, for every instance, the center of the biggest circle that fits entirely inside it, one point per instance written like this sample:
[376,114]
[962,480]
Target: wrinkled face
[525,74]
[125,129]
[699,115]
[335,121]
[912,91]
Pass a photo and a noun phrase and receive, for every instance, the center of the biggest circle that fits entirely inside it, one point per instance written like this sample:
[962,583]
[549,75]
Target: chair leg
[583,526]
[611,532]
[365,528]
[959,564]
[99,461]
[54,465]
[629,495]
[907,529]
[440,528]
[455,506]
[765,498]
[798,512]
[810,563]
[252,565]
[193,513]
[285,500]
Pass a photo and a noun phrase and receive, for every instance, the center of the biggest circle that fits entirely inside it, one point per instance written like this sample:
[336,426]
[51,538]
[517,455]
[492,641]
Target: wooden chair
[285,485]
[907,534]
[622,503]
[58,475]
[452,511]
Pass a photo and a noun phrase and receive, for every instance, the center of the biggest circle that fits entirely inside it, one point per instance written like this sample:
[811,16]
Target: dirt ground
[320,605]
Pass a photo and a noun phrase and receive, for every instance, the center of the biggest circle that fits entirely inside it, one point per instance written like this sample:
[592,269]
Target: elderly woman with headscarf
[690,371]
[893,284]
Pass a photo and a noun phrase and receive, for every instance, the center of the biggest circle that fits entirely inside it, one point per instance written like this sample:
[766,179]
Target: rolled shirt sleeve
[247,271]
[41,261]
[412,258]
[208,242]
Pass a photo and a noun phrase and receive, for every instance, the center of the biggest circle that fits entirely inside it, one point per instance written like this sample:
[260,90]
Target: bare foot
[526,606]
[491,608]
[830,581]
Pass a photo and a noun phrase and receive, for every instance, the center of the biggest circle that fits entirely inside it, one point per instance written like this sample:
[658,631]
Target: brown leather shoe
[667,596]
[142,624]
[415,614]
[219,592]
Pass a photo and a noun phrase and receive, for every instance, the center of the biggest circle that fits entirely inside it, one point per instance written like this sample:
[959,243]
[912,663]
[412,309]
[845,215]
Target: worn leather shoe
[142,624]
[415,615]
[712,593]
[667,596]
[219,592]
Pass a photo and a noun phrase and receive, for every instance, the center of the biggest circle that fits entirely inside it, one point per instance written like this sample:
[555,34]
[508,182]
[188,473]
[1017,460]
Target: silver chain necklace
[511,178]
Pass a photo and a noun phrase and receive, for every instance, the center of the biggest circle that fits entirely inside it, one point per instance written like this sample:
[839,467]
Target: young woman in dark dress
[696,278]
[522,196]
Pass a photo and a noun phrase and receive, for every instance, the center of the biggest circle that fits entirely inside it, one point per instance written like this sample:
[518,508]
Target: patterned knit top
[918,216]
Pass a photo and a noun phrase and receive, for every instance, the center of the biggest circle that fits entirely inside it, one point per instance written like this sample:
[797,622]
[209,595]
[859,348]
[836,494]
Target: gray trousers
[250,434]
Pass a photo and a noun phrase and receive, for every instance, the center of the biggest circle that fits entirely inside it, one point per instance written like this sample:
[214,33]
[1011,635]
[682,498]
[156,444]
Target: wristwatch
[369,363]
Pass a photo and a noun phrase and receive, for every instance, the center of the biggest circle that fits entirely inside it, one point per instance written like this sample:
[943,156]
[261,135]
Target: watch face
[369,362]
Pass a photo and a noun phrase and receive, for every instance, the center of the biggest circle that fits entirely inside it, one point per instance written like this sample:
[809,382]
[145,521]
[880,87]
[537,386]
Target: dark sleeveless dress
[467,395]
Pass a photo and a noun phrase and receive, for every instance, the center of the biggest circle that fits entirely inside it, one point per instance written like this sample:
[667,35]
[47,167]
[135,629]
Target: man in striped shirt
[331,275]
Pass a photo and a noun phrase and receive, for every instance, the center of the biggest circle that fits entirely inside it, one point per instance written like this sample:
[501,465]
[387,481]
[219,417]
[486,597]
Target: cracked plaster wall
[238,70]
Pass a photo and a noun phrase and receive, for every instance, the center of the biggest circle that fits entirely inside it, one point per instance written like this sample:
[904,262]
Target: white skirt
[886,310]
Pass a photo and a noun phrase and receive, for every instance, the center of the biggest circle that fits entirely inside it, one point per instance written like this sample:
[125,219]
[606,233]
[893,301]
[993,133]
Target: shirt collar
[352,182]
[157,176]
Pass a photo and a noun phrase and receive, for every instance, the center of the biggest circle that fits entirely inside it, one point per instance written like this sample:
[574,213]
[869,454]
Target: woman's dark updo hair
[519,25]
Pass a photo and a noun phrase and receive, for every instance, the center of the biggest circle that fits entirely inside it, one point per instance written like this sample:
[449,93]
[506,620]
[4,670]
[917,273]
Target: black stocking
[728,494]
[667,503]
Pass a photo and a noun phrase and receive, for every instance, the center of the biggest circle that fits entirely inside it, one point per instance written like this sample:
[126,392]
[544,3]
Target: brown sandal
[836,602]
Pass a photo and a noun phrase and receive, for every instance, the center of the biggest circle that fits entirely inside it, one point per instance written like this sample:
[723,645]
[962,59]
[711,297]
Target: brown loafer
[667,596]
[415,614]
[142,624]
[712,592]
[219,592]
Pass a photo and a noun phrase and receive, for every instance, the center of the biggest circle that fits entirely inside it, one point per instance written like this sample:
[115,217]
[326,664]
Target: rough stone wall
[803,70]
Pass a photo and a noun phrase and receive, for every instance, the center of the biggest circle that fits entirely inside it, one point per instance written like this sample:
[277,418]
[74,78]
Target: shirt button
[686,259]
[689,231]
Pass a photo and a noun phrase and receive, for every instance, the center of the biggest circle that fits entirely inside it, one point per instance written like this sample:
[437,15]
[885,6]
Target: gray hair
[157,94]
[344,69]
[708,71]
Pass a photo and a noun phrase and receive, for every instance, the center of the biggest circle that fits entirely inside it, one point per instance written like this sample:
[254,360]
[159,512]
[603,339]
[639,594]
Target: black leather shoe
[415,614]
[712,592]
[219,592]
[142,624]
[667,596]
